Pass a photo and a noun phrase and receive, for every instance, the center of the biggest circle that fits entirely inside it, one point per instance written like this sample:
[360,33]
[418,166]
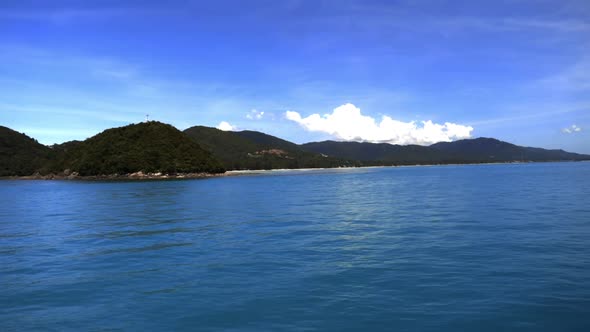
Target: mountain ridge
[157,147]
[473,150]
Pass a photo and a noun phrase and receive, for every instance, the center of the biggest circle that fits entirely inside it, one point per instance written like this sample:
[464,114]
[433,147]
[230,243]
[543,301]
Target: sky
[401,72]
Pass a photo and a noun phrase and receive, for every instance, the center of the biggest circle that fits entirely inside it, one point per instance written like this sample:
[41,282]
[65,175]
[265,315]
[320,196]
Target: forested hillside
[255,150]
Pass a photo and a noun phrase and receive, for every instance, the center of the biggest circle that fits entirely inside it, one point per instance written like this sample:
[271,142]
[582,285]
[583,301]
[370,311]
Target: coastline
[140,176]
[295,170]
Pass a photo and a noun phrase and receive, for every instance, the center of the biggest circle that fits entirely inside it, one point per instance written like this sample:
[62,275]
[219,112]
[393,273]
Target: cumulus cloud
[571,129]
[225,126]
[254,114]
[347,123]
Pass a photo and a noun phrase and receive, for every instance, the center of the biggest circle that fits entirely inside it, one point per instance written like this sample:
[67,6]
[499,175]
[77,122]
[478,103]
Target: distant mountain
[148,147]
[479,150]
[256,150]
[492,150]
[20,154]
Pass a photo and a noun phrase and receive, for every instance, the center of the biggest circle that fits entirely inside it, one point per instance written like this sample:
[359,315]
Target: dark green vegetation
[479,150]
[148,147]
[154,147]
[254,150]
[21,155]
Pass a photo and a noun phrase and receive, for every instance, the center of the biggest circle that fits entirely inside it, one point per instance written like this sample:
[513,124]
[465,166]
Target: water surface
[442,248]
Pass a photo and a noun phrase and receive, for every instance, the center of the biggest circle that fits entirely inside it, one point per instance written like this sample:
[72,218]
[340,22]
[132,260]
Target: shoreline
[140,176]
[280,170]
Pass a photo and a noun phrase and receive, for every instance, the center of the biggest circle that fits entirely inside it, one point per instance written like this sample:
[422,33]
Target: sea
[502,247]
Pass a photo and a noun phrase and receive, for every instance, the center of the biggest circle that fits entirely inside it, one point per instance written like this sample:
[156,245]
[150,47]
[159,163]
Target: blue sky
[514,70]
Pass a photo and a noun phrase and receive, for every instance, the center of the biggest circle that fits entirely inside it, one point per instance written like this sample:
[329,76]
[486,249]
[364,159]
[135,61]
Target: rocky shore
[132,176]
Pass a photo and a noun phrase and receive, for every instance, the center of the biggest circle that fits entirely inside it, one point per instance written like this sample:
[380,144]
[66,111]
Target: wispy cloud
[506,119]
[574,78]
[111,113]
[417,17]
[64,15]
[514,24]
[54,81]
[89,66]
[527,112]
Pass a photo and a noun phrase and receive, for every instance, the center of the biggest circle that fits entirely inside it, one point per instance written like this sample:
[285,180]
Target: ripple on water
[488,247]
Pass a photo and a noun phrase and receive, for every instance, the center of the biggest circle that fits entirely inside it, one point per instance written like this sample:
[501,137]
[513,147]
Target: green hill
[255,150]
[148,147]
[21,155]
[268,141]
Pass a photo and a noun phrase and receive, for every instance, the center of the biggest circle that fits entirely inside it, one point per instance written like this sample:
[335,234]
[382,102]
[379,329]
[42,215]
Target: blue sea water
[441,248]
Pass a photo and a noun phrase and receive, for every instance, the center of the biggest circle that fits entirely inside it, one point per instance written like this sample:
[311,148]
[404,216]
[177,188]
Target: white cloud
[571,129]
[575,78]
[254,114]
[225,126]
[347,123]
